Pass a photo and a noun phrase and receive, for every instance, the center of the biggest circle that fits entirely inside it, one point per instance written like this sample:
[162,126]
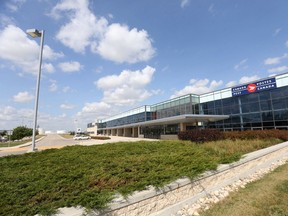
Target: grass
[267,196]
[16,143]
[89,176]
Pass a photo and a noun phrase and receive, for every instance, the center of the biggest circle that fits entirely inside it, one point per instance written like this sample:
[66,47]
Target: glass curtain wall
[187,104]
[262,110]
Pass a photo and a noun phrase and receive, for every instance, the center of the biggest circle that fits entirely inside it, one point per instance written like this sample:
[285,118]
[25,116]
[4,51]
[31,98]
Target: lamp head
[34,33]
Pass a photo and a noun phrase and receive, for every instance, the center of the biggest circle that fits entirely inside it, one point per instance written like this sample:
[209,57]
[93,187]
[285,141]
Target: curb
[22,145]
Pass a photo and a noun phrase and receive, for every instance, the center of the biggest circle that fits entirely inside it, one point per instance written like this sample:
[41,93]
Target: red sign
[251,87]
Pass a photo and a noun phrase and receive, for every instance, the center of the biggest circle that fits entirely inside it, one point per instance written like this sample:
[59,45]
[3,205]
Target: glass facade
[187,104]
[140,114]
[264,107]
[261,110]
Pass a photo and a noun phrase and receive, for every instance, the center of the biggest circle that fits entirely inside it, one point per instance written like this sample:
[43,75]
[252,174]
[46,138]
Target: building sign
[254,87]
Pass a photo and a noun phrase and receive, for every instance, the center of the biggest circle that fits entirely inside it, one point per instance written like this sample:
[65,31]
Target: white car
[81,137]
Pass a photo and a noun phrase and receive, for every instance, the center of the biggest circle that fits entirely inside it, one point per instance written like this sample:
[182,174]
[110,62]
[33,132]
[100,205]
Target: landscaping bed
[89,176]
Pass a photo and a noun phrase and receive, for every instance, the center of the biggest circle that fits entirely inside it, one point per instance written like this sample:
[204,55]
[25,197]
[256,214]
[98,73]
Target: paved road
[57,141]
[49,141]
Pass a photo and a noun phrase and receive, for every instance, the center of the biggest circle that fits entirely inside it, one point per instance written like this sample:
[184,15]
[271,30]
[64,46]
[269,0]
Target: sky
[104,57]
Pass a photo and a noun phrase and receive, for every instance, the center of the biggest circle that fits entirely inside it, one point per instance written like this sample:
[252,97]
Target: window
[265,105]
[278,104]
[267,116]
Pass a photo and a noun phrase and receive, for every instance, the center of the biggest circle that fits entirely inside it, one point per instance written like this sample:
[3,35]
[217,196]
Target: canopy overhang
[188,119]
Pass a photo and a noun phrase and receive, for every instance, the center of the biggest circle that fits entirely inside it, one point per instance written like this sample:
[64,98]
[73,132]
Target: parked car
[81,137]
[3,139]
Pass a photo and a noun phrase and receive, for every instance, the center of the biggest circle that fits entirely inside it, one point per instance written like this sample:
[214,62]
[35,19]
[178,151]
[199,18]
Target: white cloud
[241,65]
[247,79]
[71,66]
[278,69]
[286,43]
[6,20]
[127,88]
[67,106]
[83,26]
[94,110]
[113,42]
[23,97]
[231,83]
[14,5]
[11,117]
[244,79]
[7,113]
[48,67]
[277,31]
[17,48]
[198,87]
[47,122]
[49,54]
[53,86]
[211,9]
[67,89]
[120,44]
[184,3]
[275,60]
[96,107]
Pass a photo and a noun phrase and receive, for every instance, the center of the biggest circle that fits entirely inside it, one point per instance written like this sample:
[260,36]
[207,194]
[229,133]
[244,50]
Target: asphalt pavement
[57,141]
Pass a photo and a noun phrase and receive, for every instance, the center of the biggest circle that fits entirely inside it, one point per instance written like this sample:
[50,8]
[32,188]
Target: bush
[257,134]
[206,135]
[201,135]
[100,137]
[21,132]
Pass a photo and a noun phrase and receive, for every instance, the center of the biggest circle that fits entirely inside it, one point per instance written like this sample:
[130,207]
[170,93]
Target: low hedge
[201,135]
[257,134]
[100,137]
[206,135]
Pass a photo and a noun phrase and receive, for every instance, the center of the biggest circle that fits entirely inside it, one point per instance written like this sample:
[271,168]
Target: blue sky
[105,57]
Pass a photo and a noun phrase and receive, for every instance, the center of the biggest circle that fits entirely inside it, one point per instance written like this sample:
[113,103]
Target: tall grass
[267,196]
[89,176]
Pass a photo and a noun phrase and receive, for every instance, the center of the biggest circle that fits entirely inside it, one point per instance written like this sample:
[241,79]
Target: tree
[21,132]
[3,133]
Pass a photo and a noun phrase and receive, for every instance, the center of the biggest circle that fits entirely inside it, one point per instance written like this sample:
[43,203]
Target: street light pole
[35,33]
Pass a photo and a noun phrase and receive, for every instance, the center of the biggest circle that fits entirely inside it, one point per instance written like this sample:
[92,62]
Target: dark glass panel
[257,124]
[278,104]
[281,115]
[281,123]
[264,96]
[245,108]
[254,107]
[265,105]
[276,93]
[269,124]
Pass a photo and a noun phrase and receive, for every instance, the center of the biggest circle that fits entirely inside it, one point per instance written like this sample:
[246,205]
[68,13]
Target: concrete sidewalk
[20,146]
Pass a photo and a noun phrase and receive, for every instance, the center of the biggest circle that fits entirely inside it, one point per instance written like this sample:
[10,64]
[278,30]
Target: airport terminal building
[262,104]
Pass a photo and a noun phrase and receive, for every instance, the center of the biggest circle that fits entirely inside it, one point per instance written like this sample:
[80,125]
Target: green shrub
[21,132]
